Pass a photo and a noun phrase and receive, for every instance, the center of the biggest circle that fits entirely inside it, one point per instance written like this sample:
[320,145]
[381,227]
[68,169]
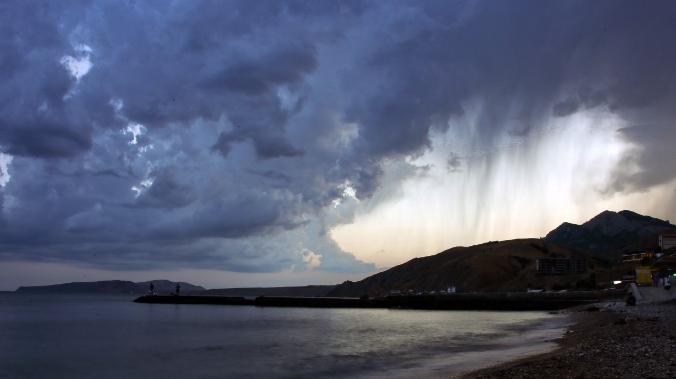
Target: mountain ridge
[610,234]
[510,265]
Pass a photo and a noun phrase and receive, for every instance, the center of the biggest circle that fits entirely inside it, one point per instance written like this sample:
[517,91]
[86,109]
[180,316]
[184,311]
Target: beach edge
[603,339]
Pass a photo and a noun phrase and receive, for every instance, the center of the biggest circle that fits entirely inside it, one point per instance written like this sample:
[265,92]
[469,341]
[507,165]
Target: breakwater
[213,300]
[463,301]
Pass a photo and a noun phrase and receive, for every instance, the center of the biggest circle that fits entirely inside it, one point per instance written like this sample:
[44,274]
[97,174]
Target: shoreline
[605,340]
[534,339]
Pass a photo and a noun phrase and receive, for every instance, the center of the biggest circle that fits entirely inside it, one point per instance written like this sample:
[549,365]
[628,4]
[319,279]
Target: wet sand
[608,340]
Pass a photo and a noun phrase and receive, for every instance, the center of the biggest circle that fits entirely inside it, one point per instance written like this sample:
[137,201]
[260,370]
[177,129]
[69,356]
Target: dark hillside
[610,234]
[492,266]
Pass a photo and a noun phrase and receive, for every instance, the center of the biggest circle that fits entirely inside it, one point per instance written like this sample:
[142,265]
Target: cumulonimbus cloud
[255,114]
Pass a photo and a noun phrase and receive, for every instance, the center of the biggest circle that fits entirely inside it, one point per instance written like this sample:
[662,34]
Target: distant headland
[110,287]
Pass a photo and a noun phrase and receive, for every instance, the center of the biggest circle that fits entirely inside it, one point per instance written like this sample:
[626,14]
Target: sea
[101,336]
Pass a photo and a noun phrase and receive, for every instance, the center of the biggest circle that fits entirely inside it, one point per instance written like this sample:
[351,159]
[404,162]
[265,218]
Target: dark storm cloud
[273,175]
[585,98]
[266,73]
[48,141]
[34,119]
[213,133]
[653,151]
[267,146]
[167,191]
[522,60]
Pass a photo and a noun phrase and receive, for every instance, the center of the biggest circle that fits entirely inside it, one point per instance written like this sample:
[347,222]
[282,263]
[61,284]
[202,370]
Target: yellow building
[644,275]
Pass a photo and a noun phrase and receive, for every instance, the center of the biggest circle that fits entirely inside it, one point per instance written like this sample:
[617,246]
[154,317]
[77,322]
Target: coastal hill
[110,287]
[610,234]
[491,266]
[511,265]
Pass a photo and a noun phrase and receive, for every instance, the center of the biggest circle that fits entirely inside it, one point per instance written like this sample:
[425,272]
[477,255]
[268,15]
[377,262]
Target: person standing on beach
[178,289]
[152,289]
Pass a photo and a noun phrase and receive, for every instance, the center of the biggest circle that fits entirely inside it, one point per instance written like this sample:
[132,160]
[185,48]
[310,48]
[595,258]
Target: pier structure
[458,301]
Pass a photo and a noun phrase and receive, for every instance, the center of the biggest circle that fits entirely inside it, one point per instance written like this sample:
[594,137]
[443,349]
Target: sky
[246,143]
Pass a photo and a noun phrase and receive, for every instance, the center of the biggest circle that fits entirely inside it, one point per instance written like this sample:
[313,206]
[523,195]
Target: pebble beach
[606,340]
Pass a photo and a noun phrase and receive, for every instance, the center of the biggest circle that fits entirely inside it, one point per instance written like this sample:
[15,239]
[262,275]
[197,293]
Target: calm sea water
[112,337]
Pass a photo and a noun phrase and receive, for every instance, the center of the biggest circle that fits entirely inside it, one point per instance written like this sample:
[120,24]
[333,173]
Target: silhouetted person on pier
[178,289]
[152,289]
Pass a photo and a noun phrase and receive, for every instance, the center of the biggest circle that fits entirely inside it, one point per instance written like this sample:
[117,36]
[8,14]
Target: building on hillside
[637,256]
[665,266]
[558,266]
[667,240]
[644,275]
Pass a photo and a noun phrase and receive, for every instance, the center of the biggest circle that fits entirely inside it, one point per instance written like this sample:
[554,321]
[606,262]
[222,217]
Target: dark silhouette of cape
[110,287]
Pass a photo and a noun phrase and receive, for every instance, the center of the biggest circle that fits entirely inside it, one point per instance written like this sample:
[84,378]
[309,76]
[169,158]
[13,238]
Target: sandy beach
[608,340]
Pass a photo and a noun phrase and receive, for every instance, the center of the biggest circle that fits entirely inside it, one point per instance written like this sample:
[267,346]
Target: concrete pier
[214,300]
[464,301]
